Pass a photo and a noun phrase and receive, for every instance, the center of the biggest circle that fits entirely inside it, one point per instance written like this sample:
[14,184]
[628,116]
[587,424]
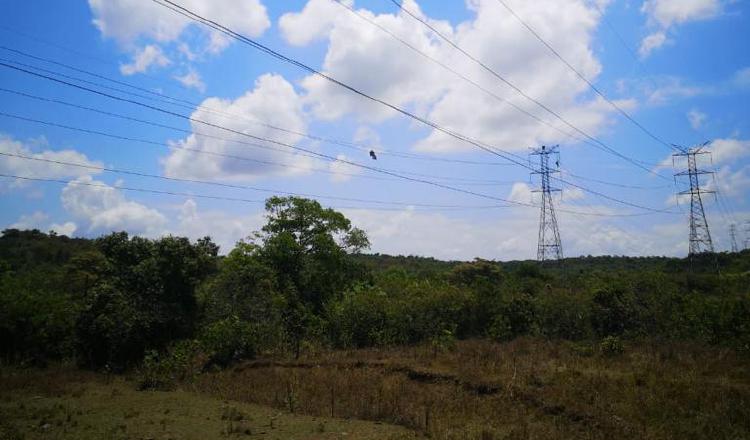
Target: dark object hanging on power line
[372,155]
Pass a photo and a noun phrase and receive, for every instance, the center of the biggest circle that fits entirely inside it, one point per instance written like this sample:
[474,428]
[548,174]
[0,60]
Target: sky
[124,115]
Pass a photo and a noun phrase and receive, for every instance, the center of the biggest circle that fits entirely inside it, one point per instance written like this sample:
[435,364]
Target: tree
[308,247]
[143,297]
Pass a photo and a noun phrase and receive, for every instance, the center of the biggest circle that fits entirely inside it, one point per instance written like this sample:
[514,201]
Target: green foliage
[516,317]
[301,283]
[228,340]
[143,297]
[611,346]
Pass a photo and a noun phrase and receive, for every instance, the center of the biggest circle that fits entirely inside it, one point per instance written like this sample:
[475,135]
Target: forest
[175,314]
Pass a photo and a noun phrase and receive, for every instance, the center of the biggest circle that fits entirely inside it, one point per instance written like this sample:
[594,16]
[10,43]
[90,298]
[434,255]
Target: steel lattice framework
[700,235]
[733,237]
[549,246]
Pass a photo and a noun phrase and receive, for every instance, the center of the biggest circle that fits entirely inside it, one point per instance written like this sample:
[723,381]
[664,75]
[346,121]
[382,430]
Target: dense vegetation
[334,331]
[302,282]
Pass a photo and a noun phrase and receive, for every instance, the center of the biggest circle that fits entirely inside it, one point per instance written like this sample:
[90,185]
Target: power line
[231,141]
[518,90]
[237,186]
[583,77]
[170,193]
[192,105]
[154,143]
[379,170]
[456,73]
[196,17]
[192,150]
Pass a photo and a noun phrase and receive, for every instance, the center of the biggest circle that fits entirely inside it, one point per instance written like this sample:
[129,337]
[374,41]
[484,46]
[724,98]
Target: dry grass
[66,404]
[523,389]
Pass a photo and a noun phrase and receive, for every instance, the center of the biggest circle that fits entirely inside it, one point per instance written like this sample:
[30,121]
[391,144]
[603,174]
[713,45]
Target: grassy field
[524,389]
[62,404]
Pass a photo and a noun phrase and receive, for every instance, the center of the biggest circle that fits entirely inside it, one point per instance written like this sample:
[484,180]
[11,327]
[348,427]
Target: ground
[101,408]
[529,388]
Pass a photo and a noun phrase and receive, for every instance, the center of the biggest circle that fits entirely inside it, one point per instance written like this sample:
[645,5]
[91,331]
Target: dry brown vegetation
[60,403]
[524,389]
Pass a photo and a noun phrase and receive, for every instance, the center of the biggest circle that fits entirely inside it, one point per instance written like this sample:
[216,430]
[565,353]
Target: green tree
[143,298]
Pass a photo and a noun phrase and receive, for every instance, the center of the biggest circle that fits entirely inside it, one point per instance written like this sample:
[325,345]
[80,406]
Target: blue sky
[681,69]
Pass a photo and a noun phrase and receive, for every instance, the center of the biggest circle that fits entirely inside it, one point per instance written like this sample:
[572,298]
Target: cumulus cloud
[273,99]
[651,43]
[143,59]
[342,171]
[369,59]
[696,118]
[12,165]
[40,220]
[129,20]
[104,208]
[192,79]
[447,237]
[666,14]
[729,150]
[225,228]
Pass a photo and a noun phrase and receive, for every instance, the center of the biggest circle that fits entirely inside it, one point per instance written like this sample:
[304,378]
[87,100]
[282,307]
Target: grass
[525,389]
[64,404]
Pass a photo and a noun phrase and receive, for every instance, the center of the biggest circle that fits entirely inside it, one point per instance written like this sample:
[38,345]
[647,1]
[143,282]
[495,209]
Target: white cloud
[192,79]
[439,235]
[520,192]
[314,22]
[224,228]
[342,172]
[666,14]
[18,166]
[104,208]
[40,220]
[129,20]
[143,59]
[365,57]
[274,100]
[696,118]
[729,150]
[670,12]
[652,42]
[741,78]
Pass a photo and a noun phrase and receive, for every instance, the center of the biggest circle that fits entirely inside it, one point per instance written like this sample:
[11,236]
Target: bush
[228,340]
[515,318]
[611,346]
[161,371]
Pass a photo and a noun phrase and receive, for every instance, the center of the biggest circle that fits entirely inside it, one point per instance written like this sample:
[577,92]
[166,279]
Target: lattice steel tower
[548,247]
[733,237]
[700,236]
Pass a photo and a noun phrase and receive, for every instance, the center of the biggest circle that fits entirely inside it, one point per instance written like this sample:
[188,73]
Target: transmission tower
[733,237]
[549,247]
[700,236]
[747,235]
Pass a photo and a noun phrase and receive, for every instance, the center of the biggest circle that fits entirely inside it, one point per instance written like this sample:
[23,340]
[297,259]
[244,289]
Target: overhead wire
[494,73]
[230,141]
[210,23]
[238,186]
[580,75]
[371,168]
[192,105]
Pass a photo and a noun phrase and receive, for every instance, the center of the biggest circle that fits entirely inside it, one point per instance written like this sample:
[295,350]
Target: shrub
[611,346]
[162,371]
[515,318]
[228,340]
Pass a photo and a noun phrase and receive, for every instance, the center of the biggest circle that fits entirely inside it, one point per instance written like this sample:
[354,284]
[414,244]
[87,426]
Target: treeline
[301,283]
